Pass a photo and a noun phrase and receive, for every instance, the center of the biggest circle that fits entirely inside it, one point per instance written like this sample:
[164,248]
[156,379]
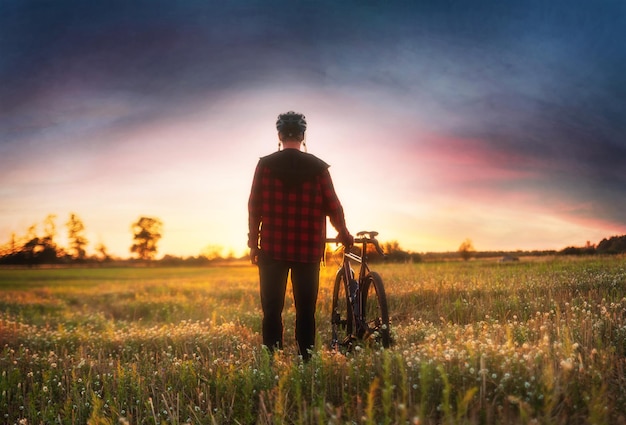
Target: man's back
[290,193]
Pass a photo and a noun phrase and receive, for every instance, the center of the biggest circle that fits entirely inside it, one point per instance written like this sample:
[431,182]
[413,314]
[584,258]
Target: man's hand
[346,239]
[254,255]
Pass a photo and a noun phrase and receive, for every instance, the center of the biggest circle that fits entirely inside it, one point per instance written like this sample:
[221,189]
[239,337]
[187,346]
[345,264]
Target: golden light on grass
[476,342]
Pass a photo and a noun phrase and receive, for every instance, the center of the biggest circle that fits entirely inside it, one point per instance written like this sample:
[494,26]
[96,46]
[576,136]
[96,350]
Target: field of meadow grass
[479,342]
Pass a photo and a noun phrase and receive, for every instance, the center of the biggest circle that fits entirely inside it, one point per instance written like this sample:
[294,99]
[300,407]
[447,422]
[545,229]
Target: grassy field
[478,342]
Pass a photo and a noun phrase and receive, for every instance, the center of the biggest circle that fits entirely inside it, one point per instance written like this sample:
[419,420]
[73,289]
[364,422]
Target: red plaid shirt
[292,194]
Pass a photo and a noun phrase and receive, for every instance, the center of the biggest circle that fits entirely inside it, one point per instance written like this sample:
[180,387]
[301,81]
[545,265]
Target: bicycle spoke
[374,311]
[342,317]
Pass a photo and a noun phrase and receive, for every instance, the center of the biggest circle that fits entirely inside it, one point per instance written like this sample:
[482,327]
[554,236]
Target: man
[292,194]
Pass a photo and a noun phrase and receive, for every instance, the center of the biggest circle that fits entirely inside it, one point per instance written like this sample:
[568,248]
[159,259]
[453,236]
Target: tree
[212,252]
[49,250]
[76,237]
[466,250]
[10,248]
[31,247]
[613,245]
[50,228]
[35,249]
[146,234]
[21,250]
[102,250]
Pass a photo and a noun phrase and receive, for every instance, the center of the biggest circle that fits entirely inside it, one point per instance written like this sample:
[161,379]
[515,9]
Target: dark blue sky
[534,91]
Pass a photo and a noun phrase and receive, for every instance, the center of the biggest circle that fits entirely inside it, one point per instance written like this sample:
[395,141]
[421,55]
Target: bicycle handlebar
[366,240]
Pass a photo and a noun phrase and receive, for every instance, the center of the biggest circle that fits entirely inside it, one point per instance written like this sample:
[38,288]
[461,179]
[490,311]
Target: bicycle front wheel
[374,312]
[342,317]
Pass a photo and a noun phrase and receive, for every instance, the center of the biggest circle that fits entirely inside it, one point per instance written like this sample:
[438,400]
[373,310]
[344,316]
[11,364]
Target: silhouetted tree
[76,237]
[613,245]
[393,253]
[146,234]
[13,244]
[34,249]
[10,248]
[49,250]
[14,251]
[103,252]
[212,252]
[466,250]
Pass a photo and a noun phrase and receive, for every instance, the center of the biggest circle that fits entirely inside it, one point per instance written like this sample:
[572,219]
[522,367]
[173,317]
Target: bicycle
[359,309]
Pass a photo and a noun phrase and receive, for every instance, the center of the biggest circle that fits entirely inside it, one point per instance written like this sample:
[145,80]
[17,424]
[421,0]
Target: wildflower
[567,364]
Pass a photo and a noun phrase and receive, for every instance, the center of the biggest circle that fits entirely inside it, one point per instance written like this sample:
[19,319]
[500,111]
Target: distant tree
[613,245]
[32,247]
[391,247]
[14,252]
[395,253]
[10,248]
[35,249]
[146,234]
[13,244]
[50,252]
[575,250]
[50,228]
[212,252]
[103,252]
[466,250]
[76,237]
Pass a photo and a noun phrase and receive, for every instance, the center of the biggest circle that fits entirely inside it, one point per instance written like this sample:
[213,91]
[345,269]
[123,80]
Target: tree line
[611,246]
[42,248]
[38,247]
[35,247]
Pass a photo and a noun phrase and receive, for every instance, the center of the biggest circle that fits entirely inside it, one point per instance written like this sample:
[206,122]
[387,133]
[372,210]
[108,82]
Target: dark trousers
[273,282]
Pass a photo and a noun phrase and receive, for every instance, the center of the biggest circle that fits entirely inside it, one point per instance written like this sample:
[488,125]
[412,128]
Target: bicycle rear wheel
[342,316]
[374,312]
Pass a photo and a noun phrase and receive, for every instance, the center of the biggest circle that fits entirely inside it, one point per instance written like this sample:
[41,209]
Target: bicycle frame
[346,267]
[361,259]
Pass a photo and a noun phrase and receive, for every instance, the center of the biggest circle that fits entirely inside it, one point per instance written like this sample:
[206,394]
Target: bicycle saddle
[370,234]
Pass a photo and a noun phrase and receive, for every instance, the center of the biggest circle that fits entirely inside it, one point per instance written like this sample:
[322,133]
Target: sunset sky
[499,121]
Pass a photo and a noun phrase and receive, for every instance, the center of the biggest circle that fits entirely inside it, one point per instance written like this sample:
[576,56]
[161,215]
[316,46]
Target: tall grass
[475,343]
